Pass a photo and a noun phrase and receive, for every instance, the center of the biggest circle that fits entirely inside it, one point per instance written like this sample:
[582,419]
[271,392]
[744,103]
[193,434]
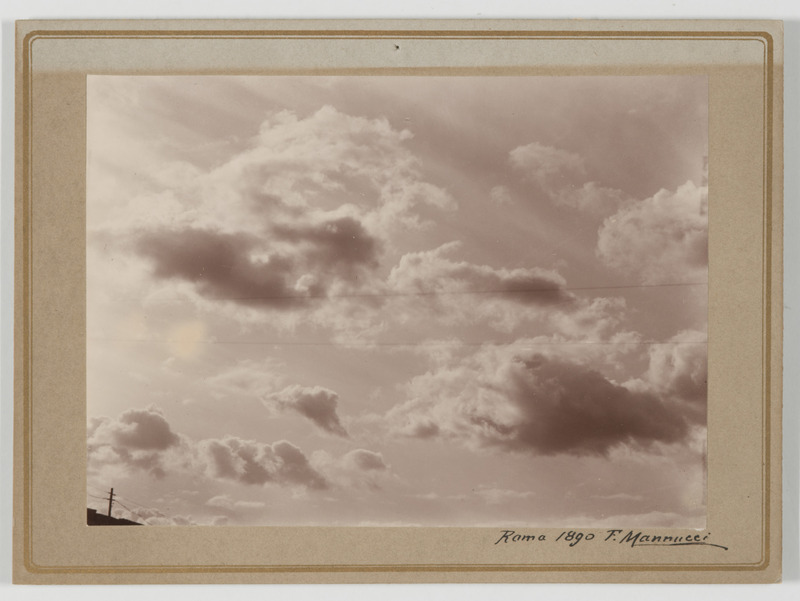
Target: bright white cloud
[663,238]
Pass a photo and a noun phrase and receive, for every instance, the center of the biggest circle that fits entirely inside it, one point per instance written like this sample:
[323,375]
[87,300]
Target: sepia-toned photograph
[408,301]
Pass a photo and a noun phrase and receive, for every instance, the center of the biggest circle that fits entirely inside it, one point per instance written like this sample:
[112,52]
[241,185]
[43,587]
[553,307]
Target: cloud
[678,370]
[341,244]
[142,440]
[663,238]
[305,212]
[317,404]
[566,408]
[500,195]
[143,429]
[591,197]
[152,517]
[497,496]
[432,272]
[362,459]
[226,502]
[256,463]
[526,401]
[651,519]
[561,175]
[327,158]
[138,439]
[680,367]
[247,270]
[460,292]
[356,470]
[221,266]
[549,167]
[247,378]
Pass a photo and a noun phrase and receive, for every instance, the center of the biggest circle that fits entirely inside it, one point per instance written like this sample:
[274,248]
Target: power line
[142,505]
[125,506]
[369,344]
[322,296]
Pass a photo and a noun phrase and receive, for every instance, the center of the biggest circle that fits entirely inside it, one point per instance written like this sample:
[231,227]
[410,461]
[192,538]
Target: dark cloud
[341,244]
[567,408]
[144,429]
[256,463]
[547,406]
[318,404]
[221,266]
[135,441]
[249,271]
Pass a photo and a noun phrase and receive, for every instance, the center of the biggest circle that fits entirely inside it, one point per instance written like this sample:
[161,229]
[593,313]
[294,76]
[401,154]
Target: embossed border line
[27,292]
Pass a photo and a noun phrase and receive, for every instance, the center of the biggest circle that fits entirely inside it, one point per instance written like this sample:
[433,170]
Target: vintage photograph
[397,300]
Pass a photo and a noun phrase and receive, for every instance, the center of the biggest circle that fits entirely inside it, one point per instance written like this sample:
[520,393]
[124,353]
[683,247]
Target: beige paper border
[51,541]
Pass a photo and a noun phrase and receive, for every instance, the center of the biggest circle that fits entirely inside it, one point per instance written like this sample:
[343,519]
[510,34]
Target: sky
[380,300]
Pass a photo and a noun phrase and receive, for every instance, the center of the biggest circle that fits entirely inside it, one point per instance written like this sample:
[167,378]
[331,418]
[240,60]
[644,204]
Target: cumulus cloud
[143,429]
[678,370]
[138,439]
[662,238]
[306,213]
[325,160]
[591,319]
[251,462]
[316,404]
[142,440]
[526,401]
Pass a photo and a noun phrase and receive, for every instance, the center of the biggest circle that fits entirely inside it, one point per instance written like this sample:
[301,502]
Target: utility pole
[110,500]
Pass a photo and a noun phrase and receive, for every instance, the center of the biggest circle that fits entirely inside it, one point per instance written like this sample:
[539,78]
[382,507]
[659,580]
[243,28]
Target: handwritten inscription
[632,538]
